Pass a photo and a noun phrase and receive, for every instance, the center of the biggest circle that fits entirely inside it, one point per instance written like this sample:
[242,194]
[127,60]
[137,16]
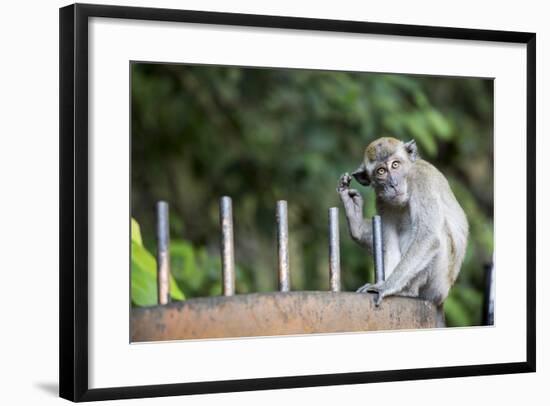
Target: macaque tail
[440,317]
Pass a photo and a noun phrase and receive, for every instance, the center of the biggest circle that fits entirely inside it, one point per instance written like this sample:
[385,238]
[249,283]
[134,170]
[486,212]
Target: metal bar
[378,248]
[334,249]
[163,253]
[282,246]
[227,248]
[489,296]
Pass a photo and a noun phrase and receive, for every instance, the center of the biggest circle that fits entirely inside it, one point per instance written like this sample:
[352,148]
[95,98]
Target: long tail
[440,318]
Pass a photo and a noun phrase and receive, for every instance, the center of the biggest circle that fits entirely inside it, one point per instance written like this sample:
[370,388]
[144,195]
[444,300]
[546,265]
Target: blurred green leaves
[196,272]
[260,135]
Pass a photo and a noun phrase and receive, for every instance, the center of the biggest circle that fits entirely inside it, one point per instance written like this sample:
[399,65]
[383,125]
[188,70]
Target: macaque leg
[413,268]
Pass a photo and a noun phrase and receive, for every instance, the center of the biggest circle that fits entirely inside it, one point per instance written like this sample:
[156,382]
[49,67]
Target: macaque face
[389,179]
[386,164]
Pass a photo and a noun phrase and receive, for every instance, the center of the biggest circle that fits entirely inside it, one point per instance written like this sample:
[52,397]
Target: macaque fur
[425,231]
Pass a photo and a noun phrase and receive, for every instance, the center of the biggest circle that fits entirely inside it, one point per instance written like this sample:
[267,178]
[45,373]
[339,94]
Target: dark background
[261,135]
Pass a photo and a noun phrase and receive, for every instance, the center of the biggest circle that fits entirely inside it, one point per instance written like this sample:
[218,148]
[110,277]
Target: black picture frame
[73,276]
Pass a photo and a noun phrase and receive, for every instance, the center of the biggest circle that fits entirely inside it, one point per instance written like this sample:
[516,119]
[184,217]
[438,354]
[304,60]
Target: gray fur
[425,230]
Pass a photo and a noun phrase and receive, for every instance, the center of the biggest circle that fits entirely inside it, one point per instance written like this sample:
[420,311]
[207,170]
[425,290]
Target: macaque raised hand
[424,230]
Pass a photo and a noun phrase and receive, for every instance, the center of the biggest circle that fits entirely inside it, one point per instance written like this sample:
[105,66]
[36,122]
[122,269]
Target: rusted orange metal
[268,314]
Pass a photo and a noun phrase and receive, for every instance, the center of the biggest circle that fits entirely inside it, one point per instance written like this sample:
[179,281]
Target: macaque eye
[395,164]
[381,171]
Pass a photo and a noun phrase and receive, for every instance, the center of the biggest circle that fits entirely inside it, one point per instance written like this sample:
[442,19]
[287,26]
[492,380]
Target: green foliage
[196,272]
[144,273]
[261,135]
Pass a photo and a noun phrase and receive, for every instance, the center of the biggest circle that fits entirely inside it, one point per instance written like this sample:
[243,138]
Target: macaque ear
[412,150]
[361,175]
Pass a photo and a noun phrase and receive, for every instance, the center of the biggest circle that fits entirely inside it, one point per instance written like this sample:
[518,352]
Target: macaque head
[385,167]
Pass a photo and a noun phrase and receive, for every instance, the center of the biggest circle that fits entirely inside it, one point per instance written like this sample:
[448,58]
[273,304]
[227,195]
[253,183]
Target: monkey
[425,230]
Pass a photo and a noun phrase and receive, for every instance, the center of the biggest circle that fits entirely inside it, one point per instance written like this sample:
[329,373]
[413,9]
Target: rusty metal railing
[227,247]
[163,253]
[283,257]
[378,249]
[276,313]
[334,250]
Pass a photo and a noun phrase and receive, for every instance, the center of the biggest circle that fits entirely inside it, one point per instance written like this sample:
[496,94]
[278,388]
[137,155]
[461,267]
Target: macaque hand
[344,182]
[351,198]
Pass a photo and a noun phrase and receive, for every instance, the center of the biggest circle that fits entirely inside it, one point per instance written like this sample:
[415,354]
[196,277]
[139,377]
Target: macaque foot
[373,288]
[369,287]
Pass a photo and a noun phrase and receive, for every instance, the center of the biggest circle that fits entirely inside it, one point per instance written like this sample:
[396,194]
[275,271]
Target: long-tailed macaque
[425,230]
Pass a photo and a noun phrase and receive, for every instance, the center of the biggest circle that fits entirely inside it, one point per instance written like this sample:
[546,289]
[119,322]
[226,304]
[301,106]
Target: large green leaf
[136,232]
[144,274]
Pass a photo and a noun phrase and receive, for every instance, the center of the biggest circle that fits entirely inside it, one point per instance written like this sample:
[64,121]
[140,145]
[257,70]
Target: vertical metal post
[163,253]
[488,317]
[334,249]
[282,246]
[227,248]
[378,248]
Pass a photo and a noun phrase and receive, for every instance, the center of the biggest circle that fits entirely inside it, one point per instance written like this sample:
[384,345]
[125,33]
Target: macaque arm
[360,230]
